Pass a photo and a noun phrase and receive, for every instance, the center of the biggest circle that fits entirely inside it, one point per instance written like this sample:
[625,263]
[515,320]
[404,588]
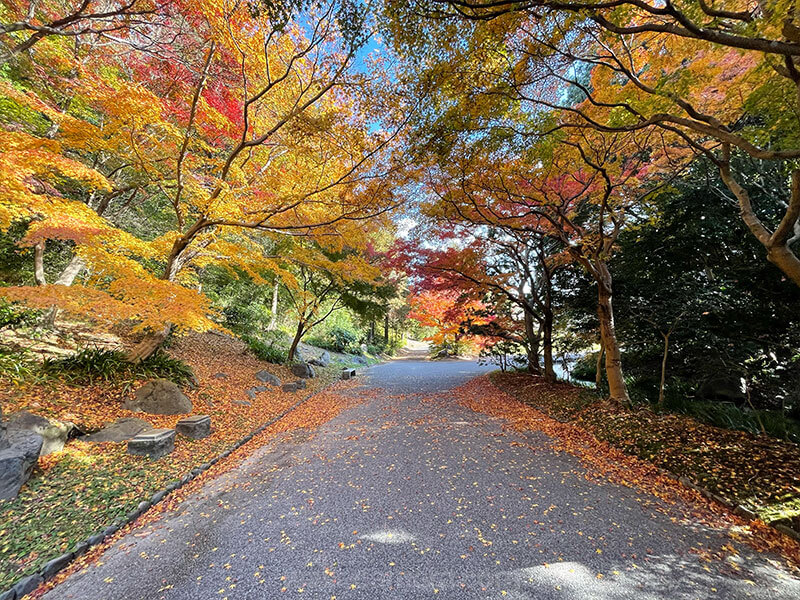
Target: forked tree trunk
[605,314]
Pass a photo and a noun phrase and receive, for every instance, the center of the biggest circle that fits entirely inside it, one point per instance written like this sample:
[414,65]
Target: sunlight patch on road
[389,536]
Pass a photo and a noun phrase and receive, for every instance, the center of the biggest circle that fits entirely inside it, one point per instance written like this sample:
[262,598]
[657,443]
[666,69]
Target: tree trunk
[598,369]
[547,339]
[533,344]
[273,321]
[38,263]
[296,341]
[66,278]
[386,328]
[149,344]
[605,313]
[663,369]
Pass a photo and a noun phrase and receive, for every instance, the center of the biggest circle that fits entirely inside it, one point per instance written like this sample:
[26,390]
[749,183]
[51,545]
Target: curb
[29,583]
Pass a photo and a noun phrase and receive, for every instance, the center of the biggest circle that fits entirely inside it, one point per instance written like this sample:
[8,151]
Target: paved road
[412,496]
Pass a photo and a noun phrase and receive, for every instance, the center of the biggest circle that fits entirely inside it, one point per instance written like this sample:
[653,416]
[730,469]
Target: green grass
[91,365]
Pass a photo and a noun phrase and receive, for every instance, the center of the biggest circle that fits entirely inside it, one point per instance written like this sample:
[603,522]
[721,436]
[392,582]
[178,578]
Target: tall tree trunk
[533,344]
[663,369]
[605,314]
[38,263]
[547,344]
[273,321]
[386,328]
[298,335]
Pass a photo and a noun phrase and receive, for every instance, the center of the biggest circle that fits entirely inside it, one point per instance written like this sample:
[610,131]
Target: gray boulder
[159,397]
[119,431]
[17,461]
[725,388]
[54,433]
[323,361]
[303,370]
[3,439]
[289,387]
[268,378]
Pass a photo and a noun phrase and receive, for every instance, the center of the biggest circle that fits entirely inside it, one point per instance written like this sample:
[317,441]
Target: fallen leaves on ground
[603,460]
[85,488]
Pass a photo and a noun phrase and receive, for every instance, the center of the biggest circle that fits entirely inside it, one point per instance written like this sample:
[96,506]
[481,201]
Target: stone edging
[28,584]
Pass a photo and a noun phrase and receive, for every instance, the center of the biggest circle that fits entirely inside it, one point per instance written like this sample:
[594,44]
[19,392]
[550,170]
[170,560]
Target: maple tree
[232,132]
[715,79]
[450,314]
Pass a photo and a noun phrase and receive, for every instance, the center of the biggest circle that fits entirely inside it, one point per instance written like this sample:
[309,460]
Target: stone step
[155,443]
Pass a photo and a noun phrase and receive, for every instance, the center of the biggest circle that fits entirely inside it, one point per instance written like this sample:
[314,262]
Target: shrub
[17,366]
[337,339]
[506,355]
[273,349]
[13,315]
[91,364]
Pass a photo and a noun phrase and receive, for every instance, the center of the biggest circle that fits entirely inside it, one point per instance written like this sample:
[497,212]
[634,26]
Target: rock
[95,539]
[196,427]
[302,370]
[55,565]
[155,443]
[728,389]
[360,360]
[119,431]
[80,549]
[17,461]
[300,384]
[27,585]
[220,375]
[3,438]
[159,397]
[251,393]
[8,595]
[242,403]
[323,361]
[268,378]
[54,433]
[289,387]
[259,388]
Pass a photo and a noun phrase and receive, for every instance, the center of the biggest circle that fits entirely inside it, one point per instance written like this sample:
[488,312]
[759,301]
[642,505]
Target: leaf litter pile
[86,487]
[593,435]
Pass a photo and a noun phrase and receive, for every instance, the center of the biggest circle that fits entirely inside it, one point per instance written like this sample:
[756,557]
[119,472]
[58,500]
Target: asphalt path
[410,495]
